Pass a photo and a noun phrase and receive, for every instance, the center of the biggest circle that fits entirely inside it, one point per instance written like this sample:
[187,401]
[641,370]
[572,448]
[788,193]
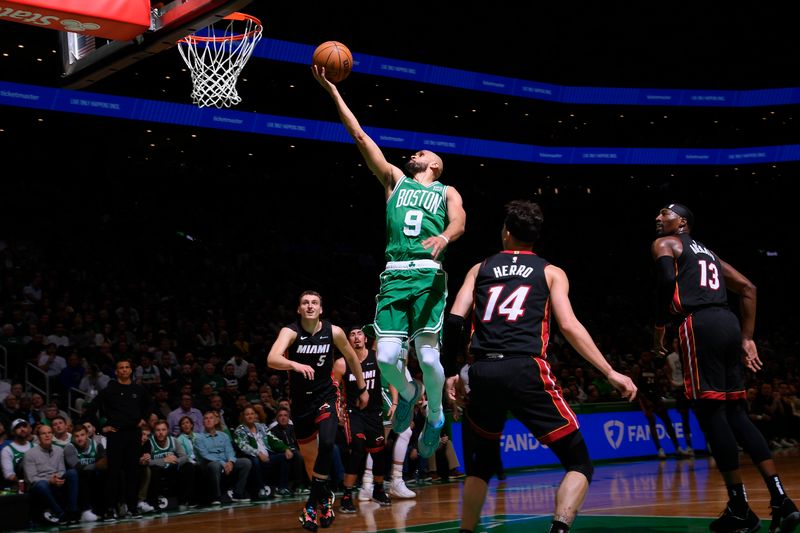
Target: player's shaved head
[437,166]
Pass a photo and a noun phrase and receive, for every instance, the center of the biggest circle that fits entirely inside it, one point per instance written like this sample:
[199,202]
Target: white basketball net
[216,60]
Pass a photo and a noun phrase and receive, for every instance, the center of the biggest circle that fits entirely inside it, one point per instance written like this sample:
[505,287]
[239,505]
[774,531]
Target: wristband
[446,240]
[362,390]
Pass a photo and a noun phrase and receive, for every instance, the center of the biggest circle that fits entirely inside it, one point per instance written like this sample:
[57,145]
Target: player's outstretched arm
[386,173]
[340,340]
[577,335]
[277,360]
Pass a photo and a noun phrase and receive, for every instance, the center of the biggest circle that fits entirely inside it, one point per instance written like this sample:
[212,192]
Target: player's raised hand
[307,371]
[319,75]
[623,384]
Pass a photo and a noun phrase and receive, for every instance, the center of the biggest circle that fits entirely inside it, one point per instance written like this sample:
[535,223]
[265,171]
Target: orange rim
[191,39]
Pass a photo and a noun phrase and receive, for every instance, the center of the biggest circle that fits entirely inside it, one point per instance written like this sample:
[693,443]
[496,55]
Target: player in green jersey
[422,217]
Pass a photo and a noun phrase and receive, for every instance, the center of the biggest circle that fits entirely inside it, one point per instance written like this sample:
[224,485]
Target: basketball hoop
[216,58]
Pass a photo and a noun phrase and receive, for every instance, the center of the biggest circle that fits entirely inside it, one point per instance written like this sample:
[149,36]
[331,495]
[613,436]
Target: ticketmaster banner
[608,436]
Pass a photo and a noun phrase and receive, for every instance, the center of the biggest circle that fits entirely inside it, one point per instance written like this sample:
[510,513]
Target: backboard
[86,59]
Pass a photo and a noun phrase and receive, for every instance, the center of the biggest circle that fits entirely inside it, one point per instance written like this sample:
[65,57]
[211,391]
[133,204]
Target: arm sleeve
[665,288]
[453,343]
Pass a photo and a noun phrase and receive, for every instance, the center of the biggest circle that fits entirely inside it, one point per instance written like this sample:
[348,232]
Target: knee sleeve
[389,350]
[573,454]
[427,345]
[325,442]
[357,452]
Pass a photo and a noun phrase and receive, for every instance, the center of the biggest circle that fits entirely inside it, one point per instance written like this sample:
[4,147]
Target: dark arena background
[187,221]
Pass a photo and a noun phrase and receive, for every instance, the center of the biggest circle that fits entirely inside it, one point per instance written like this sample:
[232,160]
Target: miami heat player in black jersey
[316,351]
[363,428]
[692,282]
[699,282]
[510,296]
[305,349]
[512,292]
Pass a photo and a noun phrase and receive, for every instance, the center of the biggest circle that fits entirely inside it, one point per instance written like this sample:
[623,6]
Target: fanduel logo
[610,428]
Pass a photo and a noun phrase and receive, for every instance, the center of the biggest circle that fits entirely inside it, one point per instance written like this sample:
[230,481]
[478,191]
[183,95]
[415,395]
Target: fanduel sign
[608,436]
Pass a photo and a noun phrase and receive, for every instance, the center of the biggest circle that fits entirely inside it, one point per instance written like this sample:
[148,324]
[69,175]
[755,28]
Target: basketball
[336,58]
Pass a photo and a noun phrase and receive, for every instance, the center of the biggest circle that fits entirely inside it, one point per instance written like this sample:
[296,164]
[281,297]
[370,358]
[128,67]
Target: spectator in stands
[206,340]
[147,373]
[32,292]
[283,429]
[164,348]
[88,458]
[185,409]
[73,373]
[170,373]
[49,481]
[37,408]
[93,382]
[215,453]
[59,336]
[268,454]
[12,455]
[162,406]
[91,432]
[790,413]
[210,377]
[105,336]
[228,417]
[9,410]
[187,437]
[239,365]
[51,364]
[769,415]
[61,435]
[169,465]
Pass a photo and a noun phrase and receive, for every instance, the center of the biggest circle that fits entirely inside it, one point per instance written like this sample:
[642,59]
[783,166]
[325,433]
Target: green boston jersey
[414,212]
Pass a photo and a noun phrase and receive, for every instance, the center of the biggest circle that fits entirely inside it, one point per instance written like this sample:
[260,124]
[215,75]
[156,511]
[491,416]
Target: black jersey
[512,305]
[372,379]
[699,282]
[316,351]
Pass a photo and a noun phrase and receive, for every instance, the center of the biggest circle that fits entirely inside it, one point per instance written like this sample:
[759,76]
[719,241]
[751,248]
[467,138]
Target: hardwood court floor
[662,496]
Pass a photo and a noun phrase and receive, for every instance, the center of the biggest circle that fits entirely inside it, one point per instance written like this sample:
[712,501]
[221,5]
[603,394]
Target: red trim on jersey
[691,370]
[308,439]
[545,328]
[736,395]
[518,252]
[552,388]
[323,416]
[376,449]
[482,432]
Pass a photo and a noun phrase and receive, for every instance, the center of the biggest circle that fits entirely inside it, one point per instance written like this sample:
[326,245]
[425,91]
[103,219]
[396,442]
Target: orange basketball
[336,58]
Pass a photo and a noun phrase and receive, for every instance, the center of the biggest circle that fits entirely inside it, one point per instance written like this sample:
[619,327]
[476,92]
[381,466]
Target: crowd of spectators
[218,413]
